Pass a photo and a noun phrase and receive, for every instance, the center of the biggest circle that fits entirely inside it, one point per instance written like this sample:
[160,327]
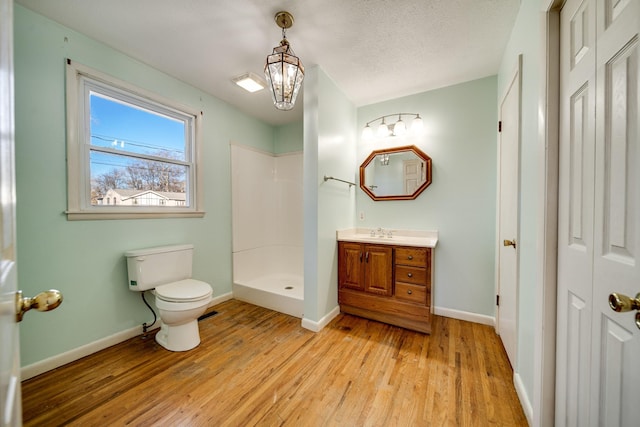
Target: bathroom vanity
[387,276]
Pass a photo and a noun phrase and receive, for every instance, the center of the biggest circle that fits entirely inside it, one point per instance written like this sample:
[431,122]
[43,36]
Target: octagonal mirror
[399,173]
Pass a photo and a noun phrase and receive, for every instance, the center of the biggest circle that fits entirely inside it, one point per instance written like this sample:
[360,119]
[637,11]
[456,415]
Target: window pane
[124,181]
[128,128]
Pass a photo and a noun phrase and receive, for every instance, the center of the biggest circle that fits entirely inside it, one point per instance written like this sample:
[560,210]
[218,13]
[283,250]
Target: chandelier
[283,69]
[397,128]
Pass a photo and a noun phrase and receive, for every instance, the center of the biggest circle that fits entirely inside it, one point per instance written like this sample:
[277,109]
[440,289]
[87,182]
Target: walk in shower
[267,229]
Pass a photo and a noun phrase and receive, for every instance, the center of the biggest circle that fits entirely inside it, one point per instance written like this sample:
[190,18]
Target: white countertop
[426,239]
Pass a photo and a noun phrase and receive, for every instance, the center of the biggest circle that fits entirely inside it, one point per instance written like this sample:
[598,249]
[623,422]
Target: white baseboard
[465,315]
[524,398]
[318,326]
[220,299]
[58,360]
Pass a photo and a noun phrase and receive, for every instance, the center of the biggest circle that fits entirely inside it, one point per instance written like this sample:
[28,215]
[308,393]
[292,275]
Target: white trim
[220,299]
[544,348]
[465,315]
[80,77]
[521,391]
[81,216]
[268,153]
[72,355]
[319,325]
[58,360]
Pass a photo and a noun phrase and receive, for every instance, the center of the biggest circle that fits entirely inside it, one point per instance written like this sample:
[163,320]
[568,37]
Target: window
[128,146]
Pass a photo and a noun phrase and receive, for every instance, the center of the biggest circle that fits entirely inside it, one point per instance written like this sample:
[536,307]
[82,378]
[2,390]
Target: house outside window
[131,147]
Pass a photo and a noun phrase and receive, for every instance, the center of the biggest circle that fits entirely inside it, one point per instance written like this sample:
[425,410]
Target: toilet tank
[153,267]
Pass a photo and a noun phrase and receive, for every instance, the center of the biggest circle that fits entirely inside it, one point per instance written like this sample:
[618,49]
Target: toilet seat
[184,291]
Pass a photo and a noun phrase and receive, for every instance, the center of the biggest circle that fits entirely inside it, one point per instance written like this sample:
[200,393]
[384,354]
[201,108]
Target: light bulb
[367,133]
[383,129]
[399,128]
[417,125]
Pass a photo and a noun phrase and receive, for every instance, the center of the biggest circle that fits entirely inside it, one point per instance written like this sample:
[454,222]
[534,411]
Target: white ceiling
[374,50]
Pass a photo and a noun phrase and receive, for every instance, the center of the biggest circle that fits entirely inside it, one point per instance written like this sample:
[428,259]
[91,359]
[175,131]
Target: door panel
[10,397]
[598,377]
[351,269]
[575,210]
[508,217]
[378,270]
[615,369]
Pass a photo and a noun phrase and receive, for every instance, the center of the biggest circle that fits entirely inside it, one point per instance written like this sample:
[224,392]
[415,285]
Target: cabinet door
[378,277]
[350,265]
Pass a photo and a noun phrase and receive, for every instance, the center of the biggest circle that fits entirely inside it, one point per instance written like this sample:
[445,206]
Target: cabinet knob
[410,257]
[409,274]
[409,291]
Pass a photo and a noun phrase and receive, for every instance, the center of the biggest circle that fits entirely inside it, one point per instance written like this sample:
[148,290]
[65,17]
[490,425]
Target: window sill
[84,216]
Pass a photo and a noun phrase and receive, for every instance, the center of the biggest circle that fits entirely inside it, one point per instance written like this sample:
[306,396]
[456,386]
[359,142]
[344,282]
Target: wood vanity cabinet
[387,283]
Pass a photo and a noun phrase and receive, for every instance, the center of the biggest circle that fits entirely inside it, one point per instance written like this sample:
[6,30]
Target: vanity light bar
[398,128]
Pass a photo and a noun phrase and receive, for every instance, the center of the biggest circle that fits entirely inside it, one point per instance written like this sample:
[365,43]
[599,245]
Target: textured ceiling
[374,50]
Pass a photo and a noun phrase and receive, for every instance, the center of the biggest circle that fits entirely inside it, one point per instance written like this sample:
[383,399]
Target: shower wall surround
[267,229]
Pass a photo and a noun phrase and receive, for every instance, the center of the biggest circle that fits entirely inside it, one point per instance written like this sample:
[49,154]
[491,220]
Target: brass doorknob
[44,301]
[510,243]
[621,303]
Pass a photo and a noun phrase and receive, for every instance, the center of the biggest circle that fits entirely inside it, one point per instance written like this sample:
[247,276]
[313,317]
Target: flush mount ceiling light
[398,128]
[283,69]
[250,82]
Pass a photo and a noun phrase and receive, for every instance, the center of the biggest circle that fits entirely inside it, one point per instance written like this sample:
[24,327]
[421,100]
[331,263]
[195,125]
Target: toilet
[166,270]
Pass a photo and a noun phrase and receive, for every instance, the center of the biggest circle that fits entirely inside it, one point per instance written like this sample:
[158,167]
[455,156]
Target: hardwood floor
[258,367]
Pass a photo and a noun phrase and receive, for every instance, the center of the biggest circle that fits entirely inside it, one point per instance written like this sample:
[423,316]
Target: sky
[127,129]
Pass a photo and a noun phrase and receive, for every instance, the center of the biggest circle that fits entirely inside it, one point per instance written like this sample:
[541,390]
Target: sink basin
[427,239]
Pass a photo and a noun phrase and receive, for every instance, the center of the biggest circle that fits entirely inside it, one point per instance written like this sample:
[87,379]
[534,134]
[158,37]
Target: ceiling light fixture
[250,82]
[283,69]
[398,128]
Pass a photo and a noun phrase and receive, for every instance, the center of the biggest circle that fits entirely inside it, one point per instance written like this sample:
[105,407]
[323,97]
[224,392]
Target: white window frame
[79,78]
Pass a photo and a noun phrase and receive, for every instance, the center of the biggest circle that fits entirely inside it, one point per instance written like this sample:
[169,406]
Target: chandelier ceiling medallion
[283,69]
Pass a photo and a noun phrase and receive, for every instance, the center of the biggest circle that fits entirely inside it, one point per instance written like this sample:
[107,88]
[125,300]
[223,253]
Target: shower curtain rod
[327,178]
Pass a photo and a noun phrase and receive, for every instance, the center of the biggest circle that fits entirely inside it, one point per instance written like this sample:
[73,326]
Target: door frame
[548,141]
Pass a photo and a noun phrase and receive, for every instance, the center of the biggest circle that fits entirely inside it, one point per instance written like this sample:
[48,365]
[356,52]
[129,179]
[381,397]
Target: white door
[597,369]
[411,172]
[508,217]
[9,354]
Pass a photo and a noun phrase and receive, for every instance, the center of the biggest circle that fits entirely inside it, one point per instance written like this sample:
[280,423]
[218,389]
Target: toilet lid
[184,290]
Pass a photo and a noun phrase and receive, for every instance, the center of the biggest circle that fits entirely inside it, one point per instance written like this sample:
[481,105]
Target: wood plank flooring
[259,367]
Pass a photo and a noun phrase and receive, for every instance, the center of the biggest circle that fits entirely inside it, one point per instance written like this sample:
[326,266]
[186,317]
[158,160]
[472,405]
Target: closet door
[597,374]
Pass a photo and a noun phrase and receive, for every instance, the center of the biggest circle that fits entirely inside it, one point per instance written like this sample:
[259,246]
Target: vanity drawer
[411,275]
[411,256]
[413,293]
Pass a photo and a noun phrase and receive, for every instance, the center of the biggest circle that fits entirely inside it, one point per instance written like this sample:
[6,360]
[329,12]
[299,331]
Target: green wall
[84,259]
[288,138]
[329,149]
[461,134]
[525,40]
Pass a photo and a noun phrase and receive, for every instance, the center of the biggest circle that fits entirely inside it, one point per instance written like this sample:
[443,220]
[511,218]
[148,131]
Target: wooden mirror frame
[419,153]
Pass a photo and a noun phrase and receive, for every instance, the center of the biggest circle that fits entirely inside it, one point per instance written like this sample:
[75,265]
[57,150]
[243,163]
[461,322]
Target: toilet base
[179,337]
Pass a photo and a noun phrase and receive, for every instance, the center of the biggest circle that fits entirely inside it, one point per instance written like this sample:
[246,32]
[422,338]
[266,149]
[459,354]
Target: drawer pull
[409,291]
[409,274]
[410,257]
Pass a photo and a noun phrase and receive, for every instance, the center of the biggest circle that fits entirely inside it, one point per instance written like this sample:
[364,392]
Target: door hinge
[498,300]
[500,126]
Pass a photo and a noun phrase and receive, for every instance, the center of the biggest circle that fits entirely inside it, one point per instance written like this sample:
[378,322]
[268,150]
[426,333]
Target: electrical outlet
[361,216]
